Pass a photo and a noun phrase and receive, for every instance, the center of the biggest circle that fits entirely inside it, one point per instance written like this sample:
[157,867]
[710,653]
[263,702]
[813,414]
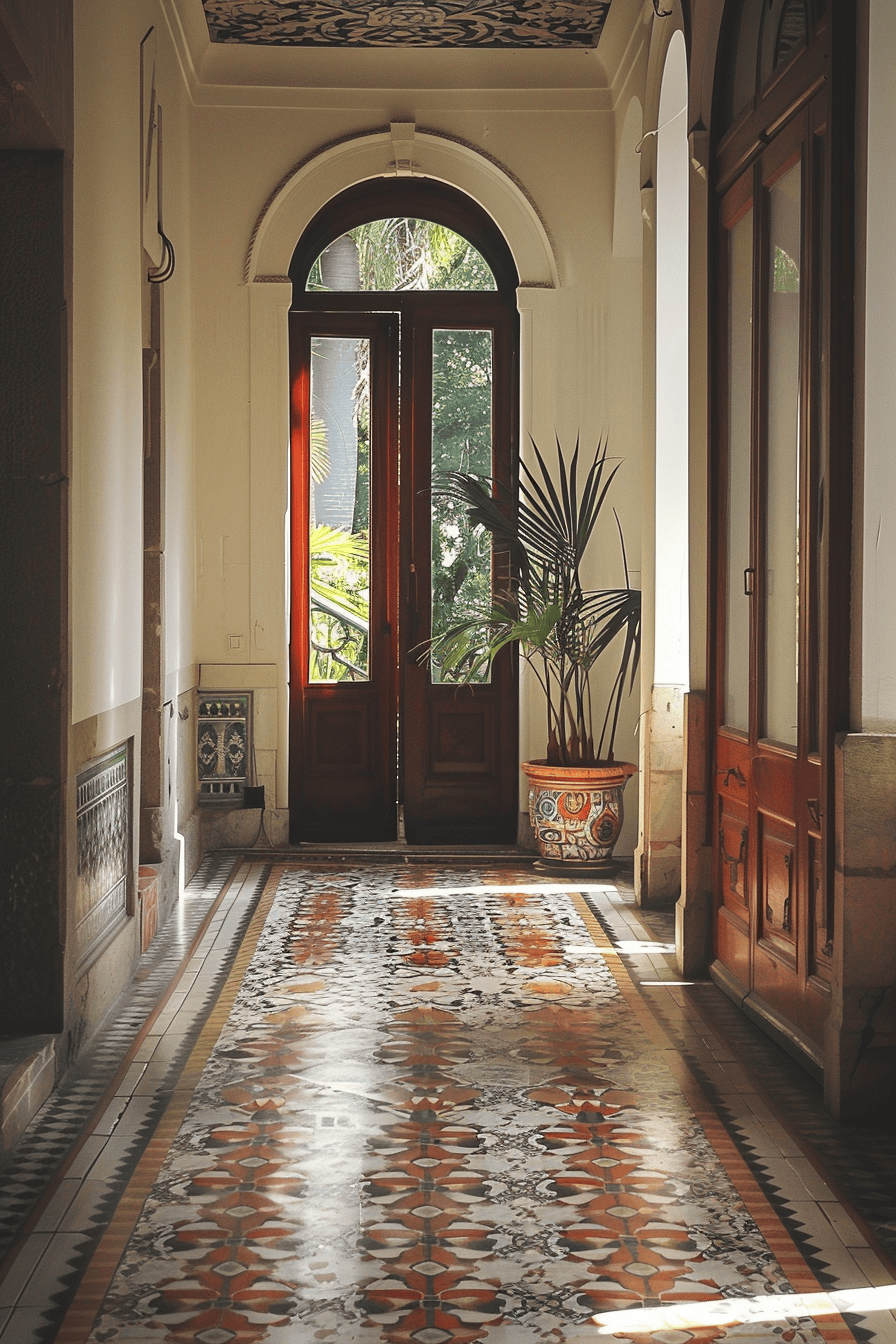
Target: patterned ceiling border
[408,23]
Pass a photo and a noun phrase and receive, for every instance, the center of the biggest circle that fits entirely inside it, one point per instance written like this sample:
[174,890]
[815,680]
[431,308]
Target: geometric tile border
[858,1165]
[56,1152]
[766,1217]
[82,1312]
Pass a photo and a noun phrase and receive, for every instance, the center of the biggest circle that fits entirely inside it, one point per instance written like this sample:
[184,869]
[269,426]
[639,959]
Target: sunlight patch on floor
[743,1310]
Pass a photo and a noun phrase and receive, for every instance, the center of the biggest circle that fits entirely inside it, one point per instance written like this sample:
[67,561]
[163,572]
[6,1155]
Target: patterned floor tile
[98,1160]
[432,1116]
[859,1164]
[440,1106]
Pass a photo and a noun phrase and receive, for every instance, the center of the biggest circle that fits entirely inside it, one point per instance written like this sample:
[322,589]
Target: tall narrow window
[461,441]
[738,569]
[782,528]
[338,537]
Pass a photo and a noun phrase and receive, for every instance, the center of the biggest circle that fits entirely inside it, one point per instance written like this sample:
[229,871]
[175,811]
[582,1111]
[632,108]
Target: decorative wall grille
[104,847]
[222,750]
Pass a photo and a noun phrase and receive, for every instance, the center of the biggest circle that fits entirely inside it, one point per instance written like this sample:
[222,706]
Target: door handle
[748,581]
[733,861]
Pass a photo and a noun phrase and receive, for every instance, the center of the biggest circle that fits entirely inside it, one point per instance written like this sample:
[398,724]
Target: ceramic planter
[576,811]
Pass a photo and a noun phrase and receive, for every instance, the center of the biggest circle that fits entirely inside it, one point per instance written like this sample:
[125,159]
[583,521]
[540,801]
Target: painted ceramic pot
[576,811]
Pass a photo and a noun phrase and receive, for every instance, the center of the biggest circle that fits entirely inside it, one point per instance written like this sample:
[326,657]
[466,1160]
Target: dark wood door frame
[458,770]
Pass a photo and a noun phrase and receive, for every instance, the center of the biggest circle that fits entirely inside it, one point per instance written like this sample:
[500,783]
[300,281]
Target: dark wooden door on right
[773,923]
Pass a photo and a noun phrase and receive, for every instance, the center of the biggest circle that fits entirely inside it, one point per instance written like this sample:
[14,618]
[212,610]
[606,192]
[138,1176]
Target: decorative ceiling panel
[407,23]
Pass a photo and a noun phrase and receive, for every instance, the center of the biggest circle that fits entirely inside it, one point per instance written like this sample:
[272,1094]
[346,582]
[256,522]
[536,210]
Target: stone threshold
[385,850]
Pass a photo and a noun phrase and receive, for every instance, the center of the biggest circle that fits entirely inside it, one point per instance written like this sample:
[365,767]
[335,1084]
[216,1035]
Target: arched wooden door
[781,515]
[375,735]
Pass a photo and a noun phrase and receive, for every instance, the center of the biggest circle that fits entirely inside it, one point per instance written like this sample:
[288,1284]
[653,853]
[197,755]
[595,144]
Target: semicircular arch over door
[403,362]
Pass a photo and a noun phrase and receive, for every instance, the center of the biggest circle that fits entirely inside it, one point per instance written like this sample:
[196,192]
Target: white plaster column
[860,1034]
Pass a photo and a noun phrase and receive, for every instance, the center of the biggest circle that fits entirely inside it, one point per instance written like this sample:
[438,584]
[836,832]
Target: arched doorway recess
[293,203]
[391,382]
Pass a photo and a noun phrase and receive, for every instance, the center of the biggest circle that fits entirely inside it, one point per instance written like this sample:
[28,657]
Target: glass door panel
[344,519]
[782,526]
[739,574]
[338,514]
[458,743]
[462,432]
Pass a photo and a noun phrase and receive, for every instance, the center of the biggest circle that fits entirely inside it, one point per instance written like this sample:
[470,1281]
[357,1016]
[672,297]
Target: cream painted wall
[226,581]
[878,708]
[179,378]
[107,377]
[107,427]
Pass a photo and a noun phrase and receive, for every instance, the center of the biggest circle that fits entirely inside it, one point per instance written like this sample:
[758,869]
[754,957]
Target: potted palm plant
[562,628]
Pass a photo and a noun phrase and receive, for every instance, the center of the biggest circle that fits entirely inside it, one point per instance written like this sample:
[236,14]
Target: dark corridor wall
[35,139]
[33,598]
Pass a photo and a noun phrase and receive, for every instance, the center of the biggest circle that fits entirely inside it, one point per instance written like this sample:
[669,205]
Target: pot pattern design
[574,822]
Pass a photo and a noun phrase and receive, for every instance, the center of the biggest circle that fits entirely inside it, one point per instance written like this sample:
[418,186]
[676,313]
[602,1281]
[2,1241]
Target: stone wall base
[658,862]
[860,1036]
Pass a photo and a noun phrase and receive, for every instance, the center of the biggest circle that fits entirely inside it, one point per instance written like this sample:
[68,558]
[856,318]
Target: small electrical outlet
[253,796]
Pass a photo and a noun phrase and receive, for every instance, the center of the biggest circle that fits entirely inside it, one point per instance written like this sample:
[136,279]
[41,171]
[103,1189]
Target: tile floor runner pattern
[859,1161]
[432,1115]
[60,1122]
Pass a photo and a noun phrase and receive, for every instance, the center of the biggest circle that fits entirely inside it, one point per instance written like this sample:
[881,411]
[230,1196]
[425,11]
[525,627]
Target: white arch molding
[399,150]
[671,652]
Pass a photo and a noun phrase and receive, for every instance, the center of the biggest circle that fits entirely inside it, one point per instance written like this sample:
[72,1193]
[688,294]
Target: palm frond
[561,628]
